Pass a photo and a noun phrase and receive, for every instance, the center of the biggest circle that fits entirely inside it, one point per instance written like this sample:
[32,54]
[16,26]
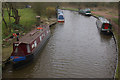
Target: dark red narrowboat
[30,44]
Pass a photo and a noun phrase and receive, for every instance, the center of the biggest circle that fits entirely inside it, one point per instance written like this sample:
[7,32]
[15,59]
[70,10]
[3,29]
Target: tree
[12,13]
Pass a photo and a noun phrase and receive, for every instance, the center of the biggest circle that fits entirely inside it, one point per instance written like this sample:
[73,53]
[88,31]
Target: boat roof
[31,36]
[87,9]
[103,20]
[60,14]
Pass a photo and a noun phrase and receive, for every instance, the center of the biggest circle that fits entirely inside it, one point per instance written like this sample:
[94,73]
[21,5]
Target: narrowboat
[85,12]
[104,25]
[59,11]
[29,45]
[80,11]
[60,17]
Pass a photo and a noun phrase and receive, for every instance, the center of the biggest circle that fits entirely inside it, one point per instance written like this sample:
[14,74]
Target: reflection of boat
[104,25]
[29,45]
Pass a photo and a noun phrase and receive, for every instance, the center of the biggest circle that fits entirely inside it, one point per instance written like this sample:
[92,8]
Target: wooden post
[38,20]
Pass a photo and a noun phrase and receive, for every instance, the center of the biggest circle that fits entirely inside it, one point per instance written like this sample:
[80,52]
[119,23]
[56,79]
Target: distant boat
[86,12]
[60,15]
[29,45]
[104,25]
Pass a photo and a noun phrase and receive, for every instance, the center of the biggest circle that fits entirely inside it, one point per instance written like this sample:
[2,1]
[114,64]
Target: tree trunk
[17,17]
[4,19]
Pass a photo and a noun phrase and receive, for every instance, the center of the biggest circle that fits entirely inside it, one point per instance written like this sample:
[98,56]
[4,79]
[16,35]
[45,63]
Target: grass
[118,43]
[116,75]
[27,19]
[115,20]
[97,15]
[6,52]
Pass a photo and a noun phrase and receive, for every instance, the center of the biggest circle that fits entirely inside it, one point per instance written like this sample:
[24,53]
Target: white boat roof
[103,20]
[60,14]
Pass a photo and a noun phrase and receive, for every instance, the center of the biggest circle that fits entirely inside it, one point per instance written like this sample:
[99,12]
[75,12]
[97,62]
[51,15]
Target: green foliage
[115,20]
[50,11]
[27,19]
[116,75]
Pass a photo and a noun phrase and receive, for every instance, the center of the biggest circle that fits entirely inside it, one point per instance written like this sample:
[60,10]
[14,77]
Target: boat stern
[16,59]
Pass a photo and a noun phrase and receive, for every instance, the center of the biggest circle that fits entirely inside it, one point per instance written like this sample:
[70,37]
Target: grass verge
[27,20]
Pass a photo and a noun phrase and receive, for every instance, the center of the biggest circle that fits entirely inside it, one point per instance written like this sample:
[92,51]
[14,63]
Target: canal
[76,49]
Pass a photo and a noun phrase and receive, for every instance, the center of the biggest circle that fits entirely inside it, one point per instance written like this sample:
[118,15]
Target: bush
[50,11]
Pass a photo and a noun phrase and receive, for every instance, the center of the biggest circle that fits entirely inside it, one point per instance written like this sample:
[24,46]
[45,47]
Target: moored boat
[86,12]
[30,44]
[60,17]
[104,25]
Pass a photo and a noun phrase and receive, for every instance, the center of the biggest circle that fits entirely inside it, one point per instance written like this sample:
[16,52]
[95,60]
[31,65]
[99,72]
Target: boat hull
[61,21]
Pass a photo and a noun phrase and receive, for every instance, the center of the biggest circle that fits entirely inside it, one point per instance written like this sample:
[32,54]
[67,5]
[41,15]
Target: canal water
[76,49]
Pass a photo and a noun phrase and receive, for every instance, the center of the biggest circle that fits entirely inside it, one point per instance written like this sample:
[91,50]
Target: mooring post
[38,20]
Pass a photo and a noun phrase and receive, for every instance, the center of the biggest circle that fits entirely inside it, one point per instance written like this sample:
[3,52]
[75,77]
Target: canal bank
[75,50]
[6,60]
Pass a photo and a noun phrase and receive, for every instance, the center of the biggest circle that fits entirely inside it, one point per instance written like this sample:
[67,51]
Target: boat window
[35,43]
[16,44]
[61,17]
[28,48]
[44,34]
[40,38]
[16,50]
[33,46]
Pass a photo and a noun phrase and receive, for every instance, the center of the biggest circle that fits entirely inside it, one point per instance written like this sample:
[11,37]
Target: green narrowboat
[104,25]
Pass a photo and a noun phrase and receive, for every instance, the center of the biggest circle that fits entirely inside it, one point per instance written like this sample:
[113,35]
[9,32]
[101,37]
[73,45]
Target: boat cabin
[86,11]
[28,43]
[104,25]
[60,17]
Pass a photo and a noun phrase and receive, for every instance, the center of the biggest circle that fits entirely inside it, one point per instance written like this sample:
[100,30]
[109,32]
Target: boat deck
[29,37]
